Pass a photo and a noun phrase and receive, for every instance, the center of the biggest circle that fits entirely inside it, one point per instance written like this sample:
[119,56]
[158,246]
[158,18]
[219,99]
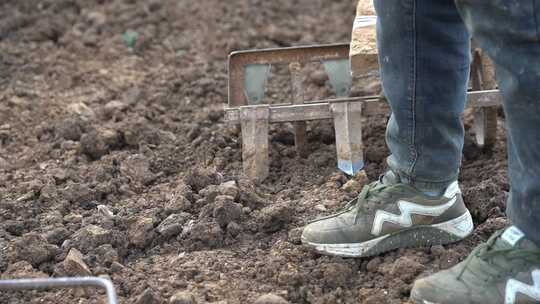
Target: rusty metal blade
[339,74]
[256,76]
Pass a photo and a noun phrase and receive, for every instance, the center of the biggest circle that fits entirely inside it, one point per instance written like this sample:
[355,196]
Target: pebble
[226,210]
[93,145]
[177,203]
[74,264]
[320,207]
[81,109]
[147,297]
[352,186]
[105,211]
[295,235]
[172,225]
[373,265]
[229,188]
[270,299]
[141,231]
[33,247]
[234,229]
[90,237]
[183,298]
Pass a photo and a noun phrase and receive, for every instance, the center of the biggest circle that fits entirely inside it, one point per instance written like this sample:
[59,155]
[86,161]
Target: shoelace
[367,192]
[487,253]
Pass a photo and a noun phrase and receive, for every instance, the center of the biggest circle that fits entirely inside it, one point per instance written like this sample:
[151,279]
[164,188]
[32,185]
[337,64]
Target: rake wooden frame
[254,119]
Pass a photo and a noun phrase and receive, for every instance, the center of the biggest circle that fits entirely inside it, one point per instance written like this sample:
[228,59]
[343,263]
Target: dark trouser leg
[508,30]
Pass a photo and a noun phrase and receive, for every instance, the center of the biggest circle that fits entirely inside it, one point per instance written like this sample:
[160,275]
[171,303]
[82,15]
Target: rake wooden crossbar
[319,110]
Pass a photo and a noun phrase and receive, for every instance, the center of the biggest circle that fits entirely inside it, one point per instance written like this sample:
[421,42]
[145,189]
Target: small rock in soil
[106,254]
[210,193]
[137,168]
[377,299]
[270,299]
[200,178]
[336,274]
[22,270]
[229,188]
[353,186]
[80,194]
[14,227]
[90,237]
[117,267]
[209,233]
[373,265]
[57,235]
[105,211]
[438,250]
[361,177]
[147,297]
[274,217]
[406,269]
[74,264]
[172,225]
[70,128]
[183,298]
[112,138]
[295,235]
[82,110]
[177,203]
[141,231]
[93,145]
[33,247]
[233,229]
[226,210]
[113,107]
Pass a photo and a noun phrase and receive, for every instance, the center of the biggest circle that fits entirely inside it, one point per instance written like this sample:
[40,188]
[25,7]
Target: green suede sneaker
[387,216]
[505,270]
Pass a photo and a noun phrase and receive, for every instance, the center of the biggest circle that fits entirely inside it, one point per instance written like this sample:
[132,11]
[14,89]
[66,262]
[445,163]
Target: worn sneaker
[505,270]
[387,216]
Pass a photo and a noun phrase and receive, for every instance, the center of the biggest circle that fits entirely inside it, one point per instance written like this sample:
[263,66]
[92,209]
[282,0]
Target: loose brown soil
[123,154]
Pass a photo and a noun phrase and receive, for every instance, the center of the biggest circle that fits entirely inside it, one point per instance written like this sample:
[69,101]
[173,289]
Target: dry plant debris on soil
[115,159]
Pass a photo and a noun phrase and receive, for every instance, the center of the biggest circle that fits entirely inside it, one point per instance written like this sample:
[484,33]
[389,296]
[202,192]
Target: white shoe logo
[513,287]
[408,209]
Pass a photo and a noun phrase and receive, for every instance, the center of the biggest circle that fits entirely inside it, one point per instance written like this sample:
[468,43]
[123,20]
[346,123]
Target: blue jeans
[424,52]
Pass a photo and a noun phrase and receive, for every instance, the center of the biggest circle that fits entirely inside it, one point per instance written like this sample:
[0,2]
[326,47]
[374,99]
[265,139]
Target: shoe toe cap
[313,233]
[441,288]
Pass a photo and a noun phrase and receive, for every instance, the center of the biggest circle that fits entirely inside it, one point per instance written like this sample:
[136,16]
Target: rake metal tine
[28,284]
[256,76]
[339,74]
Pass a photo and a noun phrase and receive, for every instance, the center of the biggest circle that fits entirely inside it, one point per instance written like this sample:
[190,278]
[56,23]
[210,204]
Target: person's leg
[507,268]
[424,53]
[508,30]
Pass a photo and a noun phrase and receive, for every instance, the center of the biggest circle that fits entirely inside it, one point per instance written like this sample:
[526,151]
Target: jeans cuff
[427,185]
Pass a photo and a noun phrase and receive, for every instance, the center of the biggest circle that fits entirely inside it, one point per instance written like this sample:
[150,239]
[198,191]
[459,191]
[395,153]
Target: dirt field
[113,143]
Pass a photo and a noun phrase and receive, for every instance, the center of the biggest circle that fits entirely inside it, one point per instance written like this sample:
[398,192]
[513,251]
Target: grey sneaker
[505,270]
[390,216]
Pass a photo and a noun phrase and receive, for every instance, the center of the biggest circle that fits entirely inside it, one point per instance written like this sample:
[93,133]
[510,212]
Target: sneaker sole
[419,236]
